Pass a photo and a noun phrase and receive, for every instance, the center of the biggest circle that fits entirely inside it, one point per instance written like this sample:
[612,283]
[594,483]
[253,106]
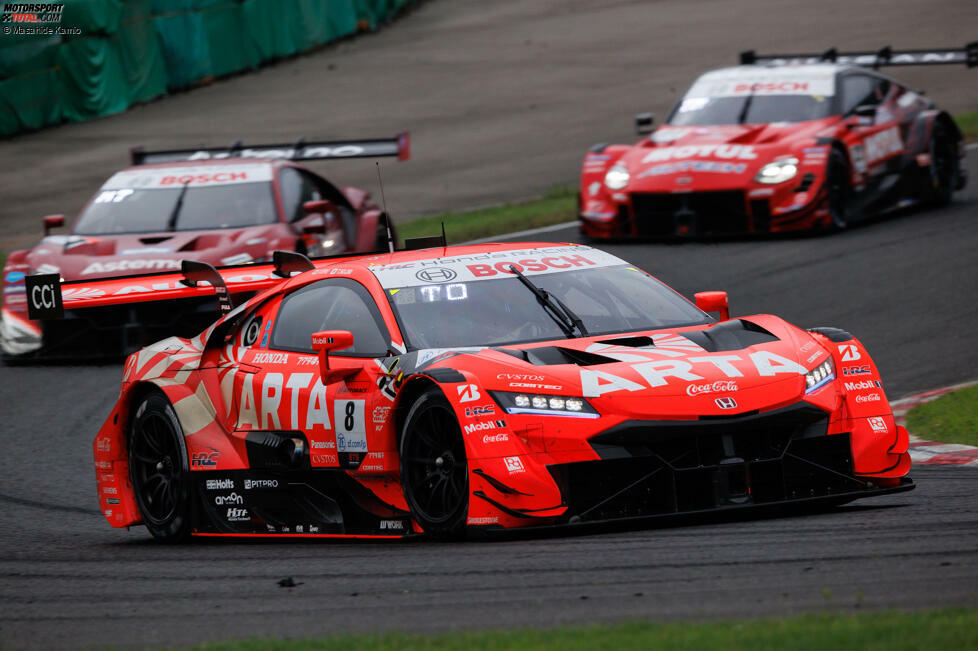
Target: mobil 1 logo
[44,296]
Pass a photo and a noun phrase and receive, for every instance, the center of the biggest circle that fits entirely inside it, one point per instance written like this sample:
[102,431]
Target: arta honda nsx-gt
[780,143]
[221,206]
[481,387]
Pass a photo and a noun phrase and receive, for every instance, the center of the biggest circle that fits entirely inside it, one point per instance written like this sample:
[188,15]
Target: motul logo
[726,403]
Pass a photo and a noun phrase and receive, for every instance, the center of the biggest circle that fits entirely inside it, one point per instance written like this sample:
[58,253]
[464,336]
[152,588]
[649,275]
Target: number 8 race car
[494,386]
[780,143]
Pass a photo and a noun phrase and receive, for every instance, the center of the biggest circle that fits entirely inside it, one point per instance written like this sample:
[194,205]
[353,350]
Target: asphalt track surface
[905,285]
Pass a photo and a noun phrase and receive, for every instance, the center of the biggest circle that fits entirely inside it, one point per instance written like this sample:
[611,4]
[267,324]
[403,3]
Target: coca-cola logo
[720,386]
[495,438]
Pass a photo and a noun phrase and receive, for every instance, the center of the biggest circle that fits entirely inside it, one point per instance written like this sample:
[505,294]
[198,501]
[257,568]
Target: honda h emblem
[726,403]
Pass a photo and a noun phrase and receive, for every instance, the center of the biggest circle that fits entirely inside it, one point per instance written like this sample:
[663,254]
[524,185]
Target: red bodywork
[229,386]
[702,179]
[354,223]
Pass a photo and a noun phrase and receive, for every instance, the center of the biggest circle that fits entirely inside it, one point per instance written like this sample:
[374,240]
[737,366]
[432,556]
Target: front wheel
[434,472]
[158,469]
[837,184]
[943,167]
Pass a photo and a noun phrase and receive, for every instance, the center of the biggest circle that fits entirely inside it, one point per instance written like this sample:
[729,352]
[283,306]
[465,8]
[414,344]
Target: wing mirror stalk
[328,341]
[53,221]
[714,302]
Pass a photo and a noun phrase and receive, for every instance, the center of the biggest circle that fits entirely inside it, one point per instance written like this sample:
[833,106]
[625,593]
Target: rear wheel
[837,184]
[158,469]
[434,472]
[943,167]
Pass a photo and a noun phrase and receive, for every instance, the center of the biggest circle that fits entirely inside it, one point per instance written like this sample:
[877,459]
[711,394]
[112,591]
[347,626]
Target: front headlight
[778,171]
[617,177]
[819,376]
[535,403]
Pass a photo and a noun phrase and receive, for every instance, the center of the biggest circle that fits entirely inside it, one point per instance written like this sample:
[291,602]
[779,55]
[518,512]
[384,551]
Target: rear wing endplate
[399,145]
[887,56]
[48,297]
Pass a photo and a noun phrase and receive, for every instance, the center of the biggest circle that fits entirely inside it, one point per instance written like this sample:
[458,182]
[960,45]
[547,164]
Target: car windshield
[149,210]
[761,109]
[752,95]
[489,312]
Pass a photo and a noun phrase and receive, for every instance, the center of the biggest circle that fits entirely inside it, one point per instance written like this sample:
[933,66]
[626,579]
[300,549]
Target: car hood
[679,157]
[81,257]
[759,362]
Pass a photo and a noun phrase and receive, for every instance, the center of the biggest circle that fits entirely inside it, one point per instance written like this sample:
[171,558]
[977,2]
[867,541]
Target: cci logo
[436,275]
[726,403]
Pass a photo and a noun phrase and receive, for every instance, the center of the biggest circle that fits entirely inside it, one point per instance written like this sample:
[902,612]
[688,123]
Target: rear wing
[48,297]
[887,56]
[399,145]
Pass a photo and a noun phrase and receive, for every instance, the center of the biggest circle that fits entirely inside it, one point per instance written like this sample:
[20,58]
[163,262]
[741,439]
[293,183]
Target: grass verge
[952,418]
[968,123]
[558,205]
[953,628]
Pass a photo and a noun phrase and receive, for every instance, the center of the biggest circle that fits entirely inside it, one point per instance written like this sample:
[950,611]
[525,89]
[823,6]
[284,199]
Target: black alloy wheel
[434,472]
[943,167]
[158,469]
[837,185]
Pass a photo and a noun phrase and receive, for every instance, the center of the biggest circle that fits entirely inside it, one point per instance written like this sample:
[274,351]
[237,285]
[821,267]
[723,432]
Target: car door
[877,141]
[279,386]
[323,233]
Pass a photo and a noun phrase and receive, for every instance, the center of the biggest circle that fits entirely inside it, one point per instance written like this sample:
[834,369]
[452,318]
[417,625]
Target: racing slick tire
[158,469]
[943,167]
[434,472]
[837,185]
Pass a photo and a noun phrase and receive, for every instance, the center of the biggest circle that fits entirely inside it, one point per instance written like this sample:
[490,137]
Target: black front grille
[690,213]
[665,468]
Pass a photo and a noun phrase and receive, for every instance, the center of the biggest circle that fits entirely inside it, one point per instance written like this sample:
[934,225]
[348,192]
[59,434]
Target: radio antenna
[387,215]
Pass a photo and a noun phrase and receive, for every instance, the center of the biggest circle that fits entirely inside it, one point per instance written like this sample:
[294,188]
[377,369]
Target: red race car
[483,387]
[779,143]
[222,206]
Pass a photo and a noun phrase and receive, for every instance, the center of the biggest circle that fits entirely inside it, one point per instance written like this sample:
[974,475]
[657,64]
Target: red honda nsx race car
[222,206]
[779,143]
[493,386]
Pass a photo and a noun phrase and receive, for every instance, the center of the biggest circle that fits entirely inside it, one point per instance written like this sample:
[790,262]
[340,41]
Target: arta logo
[436,275]
[726,403]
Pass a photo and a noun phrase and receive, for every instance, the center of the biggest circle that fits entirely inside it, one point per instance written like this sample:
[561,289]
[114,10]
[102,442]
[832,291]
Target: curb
[923,452]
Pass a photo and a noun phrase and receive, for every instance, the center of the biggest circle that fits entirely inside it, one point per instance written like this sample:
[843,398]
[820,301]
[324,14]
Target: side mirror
[643,123]
[323,206]
[53,221]
[314,224]
[328,341]
[713,302]
[866,115]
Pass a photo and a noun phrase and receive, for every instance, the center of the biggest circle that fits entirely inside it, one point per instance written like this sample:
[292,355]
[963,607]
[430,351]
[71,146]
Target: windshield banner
[735,82]
[197,176]
[492,265]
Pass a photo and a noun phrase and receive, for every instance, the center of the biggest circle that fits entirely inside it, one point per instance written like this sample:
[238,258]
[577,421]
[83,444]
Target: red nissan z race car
[780,143]
[222,206]
[475,388]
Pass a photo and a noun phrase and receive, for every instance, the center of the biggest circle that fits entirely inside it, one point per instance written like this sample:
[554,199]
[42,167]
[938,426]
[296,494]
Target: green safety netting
[134,50]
